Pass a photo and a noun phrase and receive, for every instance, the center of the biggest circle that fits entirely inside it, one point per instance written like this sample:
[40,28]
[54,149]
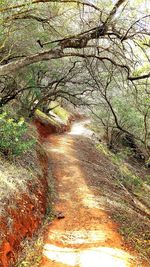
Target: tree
[109,34]
[85,53]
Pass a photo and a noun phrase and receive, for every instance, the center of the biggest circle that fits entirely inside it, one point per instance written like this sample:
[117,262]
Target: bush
[14,139]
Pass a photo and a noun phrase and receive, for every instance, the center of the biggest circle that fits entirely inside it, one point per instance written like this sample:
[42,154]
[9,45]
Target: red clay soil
[86,236]
[23,216]
[43,131]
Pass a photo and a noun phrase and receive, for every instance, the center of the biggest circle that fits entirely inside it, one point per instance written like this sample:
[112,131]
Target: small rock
[59,215]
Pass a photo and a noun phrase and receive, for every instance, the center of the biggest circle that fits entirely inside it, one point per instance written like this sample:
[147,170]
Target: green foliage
[13,136]
[128,114]
[126,176]
[148,179]
[129,179]
[102,148]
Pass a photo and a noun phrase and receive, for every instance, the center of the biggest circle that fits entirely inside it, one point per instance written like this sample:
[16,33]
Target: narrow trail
[86,237]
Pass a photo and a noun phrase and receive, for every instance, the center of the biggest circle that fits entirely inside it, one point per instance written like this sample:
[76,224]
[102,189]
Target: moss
[59,111]
[44,117]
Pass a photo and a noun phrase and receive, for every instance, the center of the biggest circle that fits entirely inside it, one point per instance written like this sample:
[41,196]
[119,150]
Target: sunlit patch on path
[91,257]
[86,237]
[78,128]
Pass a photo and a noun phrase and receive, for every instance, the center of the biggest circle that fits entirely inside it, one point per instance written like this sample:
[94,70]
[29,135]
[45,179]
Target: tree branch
[42,56]
[145,76]
[49,1]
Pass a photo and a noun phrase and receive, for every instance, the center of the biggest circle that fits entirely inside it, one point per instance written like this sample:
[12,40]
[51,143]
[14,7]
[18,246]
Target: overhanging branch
[145,76]
[58,53]
[84,3]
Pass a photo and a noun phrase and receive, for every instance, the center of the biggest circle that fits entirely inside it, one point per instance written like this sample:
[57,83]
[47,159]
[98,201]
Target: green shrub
[14,139]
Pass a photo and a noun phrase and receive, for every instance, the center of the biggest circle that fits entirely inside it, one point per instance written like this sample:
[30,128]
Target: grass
[127,176]
[32,252]
[17,172]
[132,195]
[103,149]
[13,179]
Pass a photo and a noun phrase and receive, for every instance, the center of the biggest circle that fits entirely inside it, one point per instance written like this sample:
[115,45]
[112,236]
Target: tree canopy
[101,29]
[93,53]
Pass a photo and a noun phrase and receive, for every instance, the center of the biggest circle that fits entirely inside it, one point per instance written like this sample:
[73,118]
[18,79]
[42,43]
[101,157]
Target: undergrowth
[133,211]
[14,139]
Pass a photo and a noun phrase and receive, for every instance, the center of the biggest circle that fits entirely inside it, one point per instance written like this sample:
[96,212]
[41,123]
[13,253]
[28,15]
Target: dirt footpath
[86,236]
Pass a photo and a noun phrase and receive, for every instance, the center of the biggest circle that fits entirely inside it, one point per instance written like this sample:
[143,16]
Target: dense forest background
[93,54]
